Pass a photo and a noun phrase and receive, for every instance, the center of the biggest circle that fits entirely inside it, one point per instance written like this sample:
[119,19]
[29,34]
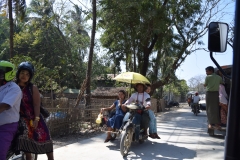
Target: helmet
[196,93]
[26,66]
[9,70]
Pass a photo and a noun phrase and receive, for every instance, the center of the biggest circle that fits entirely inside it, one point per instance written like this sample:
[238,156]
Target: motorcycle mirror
[217,36]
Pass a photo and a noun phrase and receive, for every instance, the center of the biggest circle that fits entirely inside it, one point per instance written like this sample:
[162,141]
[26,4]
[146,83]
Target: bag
[99,118]
[44,112]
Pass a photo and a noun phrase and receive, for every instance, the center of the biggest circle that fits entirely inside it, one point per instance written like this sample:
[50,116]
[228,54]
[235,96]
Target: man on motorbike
[141,118]
[10,99]
[196,100]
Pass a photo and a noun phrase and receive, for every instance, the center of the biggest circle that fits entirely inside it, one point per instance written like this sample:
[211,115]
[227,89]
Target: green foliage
[178,88]
[43,76]
[57,50]
[153,37]
[4,37]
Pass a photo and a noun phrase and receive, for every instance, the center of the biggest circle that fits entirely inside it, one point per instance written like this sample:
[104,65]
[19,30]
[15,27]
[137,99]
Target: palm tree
[19,8]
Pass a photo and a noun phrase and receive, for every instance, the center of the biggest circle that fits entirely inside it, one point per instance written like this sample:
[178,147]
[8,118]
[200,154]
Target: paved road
[183,136]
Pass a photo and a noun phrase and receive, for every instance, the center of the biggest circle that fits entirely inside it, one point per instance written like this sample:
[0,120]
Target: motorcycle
[195,108]
[128,130]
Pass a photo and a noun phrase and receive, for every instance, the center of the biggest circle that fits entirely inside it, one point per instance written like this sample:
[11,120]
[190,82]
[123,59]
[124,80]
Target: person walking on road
[212,82]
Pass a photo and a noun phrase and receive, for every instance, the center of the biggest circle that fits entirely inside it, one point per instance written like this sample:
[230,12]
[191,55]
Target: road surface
[183,136]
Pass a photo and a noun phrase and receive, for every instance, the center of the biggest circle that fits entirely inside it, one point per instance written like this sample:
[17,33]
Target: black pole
[232,144]
[218,66]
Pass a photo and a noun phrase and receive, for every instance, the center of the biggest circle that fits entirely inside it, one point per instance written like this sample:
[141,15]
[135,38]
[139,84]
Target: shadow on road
[155,150]
[201,115]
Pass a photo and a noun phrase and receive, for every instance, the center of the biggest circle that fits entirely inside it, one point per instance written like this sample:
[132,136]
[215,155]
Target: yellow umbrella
[131,77]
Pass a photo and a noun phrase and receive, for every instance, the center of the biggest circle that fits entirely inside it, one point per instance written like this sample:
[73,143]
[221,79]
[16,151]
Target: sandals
[108,139]
[154,136]
[214,126]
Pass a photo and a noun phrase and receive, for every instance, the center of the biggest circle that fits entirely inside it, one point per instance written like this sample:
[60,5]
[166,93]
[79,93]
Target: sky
[194,64]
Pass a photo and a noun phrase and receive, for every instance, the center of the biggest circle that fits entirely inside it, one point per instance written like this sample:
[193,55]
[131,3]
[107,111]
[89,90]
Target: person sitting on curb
[152,123]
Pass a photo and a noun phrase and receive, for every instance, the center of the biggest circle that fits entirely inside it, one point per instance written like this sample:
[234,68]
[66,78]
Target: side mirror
[217,36]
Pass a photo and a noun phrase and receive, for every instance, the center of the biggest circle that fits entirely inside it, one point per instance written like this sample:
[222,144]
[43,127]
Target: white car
[202,104]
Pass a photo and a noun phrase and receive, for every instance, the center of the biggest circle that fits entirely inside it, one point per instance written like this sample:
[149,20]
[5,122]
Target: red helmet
[196,93]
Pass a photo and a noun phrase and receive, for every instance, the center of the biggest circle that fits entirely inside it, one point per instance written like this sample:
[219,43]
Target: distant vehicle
[190,96]
[172,104]
[202,104]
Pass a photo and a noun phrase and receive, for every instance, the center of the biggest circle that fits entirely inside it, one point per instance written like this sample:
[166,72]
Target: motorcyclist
[10,99]
[140,118]
[195,101]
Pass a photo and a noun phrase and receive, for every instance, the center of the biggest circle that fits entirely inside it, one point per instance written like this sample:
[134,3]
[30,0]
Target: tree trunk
[11,28]
[89,69]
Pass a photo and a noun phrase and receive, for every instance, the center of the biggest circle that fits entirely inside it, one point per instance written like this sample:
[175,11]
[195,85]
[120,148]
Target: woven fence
[66,119]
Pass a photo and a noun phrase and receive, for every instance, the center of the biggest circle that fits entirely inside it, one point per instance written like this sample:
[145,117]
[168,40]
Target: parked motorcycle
[171,104]
[128,131]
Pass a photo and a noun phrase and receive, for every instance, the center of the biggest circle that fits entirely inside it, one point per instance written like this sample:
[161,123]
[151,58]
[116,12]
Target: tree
[196,83]
[43,76]
[58,42]
[155,36]
[177,89]
[19,9]
[90,57]
[231,34]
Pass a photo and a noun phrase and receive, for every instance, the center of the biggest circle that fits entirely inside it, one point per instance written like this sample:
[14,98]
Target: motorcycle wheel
[125,143]
[141,141]
[195,110]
